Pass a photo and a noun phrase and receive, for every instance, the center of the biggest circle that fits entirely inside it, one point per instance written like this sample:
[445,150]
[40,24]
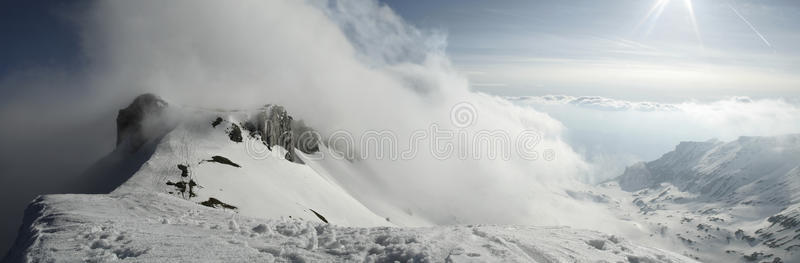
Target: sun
[658,8]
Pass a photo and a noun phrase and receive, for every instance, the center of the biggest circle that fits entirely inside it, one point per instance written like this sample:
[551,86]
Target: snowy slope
[266,185]
[732,171]
[226,186]
[148,227]
[718,201]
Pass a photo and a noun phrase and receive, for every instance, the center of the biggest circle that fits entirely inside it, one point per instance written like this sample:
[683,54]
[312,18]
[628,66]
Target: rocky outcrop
[145,119]
[276,127]
[136,123]
[139,128]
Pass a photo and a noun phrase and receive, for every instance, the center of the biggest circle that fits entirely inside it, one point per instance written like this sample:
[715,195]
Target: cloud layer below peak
[613,133]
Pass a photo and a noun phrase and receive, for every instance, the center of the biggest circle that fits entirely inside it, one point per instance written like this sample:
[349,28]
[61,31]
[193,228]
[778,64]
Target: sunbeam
[690,9]
[652,15]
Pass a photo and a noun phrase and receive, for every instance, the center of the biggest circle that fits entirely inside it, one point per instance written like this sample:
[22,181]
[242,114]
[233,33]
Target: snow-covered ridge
[150,227]
[239,186]
[721,201]
[732,171]
[248,161]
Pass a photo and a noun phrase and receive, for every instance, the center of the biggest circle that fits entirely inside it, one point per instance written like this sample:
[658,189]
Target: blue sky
[606,48]
[613,48]
[37,33]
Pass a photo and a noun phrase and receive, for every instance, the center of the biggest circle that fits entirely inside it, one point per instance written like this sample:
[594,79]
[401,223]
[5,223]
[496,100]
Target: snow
[240,202]
[265,185]
[719,170]
[717,201]
[152,227]
[194,194]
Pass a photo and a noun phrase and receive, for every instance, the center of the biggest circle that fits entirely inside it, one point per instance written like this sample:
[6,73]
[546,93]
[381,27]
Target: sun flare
[654,13]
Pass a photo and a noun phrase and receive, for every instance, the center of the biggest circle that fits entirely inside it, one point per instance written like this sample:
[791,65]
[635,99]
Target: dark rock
[235,133]
[192,185]
[222,160]
[319,216]
[216,122]
[132,125]
[181,186]
[277,127]
[251,129]
[214,203]
[184,170]
[278,130]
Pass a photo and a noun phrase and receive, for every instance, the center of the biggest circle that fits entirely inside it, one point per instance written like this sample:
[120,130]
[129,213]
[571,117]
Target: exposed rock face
[144,119]
[132,121]
[276,127]
[139,127]
[277,130]
[675,166]
[783,231]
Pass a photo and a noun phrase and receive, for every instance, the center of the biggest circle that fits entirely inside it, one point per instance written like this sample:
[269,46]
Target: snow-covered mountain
[754,169]
[190,184]
[186,183]
[719,201]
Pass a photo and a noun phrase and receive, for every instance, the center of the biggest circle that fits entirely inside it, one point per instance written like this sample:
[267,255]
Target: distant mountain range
[722,201]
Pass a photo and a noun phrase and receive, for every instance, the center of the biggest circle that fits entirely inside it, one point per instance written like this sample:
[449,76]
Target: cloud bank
[342,65]
[347,65]
[352,65]
[612,133]
[595,102]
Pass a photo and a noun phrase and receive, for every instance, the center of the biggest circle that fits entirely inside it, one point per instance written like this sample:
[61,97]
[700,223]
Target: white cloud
[613,133]
[596,102]
[356,66]
[343,65]
[670,77]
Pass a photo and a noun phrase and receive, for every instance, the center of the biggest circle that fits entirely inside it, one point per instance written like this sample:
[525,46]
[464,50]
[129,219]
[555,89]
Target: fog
[612,133]
[346,65]
[350,66]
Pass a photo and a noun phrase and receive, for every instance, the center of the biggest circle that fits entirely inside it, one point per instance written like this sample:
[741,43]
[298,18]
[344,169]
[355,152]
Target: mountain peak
[134,121]
[703,167]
